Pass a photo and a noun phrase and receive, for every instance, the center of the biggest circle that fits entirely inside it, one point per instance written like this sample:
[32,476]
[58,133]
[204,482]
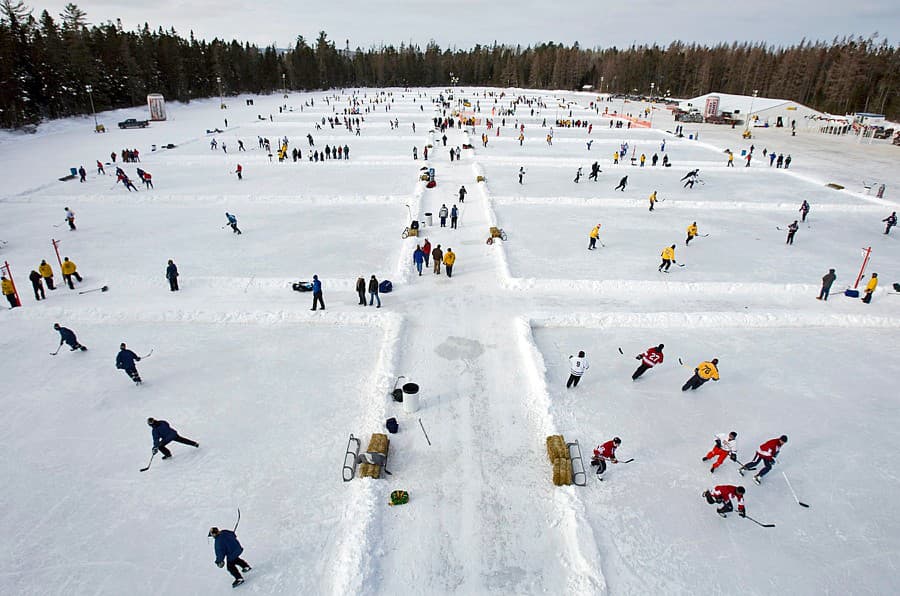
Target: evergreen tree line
[46,64]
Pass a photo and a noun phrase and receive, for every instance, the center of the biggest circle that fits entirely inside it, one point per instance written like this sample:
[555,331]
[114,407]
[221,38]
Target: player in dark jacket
[125,360]
[172,275]
[229,549]
[67,336]
[163,434]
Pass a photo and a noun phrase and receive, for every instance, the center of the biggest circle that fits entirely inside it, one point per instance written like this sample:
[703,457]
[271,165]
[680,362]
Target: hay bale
[379,443]
[368,471]
[479,179]
[556,447]
[562,472]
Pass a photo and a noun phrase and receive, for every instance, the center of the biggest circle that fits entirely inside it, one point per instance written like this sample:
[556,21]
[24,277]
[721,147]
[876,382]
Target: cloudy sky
[464,23]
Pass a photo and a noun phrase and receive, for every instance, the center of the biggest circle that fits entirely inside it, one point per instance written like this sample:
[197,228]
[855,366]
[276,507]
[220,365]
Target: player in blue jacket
[125,360]
[67,336]
[163,434]
[229,550]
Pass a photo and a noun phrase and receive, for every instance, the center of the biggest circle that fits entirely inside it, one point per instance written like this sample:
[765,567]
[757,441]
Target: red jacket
[652,357]
[426,248]
[769,450]
[728,492]
[607,450]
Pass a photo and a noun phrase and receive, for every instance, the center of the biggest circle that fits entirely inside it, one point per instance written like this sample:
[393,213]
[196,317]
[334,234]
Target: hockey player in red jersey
[766,454]
[649,359]
[726,446]
[725,494]
[604,452]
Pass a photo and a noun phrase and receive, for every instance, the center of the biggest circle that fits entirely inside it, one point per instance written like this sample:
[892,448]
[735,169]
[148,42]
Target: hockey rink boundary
[715,320]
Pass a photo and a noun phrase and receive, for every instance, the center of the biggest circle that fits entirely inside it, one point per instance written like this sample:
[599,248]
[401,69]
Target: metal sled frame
[352,453]
[577,464]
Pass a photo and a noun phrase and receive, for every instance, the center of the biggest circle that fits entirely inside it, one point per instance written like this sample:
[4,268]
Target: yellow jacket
[8,287]
[595,233]
[45,270]
[692,230]
[449,258]
[653,197]
[616,155]
[668,253]
[708,370]
[68,267]
[873,283]
[643,158]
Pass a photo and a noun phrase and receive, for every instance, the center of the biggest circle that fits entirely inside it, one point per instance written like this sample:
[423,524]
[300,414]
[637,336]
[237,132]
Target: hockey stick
[103,289]
[704,235]
[799,502]
[779,229]
[238,520]
[679,264]
[627,461]
[759,523]
[150,353]
[425,433]
[152,455]
[621,352]
[57,350]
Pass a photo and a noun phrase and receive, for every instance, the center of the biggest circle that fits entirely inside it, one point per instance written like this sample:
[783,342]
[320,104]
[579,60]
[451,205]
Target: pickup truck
[133,123]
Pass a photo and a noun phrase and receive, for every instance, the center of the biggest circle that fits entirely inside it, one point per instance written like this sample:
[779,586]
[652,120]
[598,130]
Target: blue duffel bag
[385,287]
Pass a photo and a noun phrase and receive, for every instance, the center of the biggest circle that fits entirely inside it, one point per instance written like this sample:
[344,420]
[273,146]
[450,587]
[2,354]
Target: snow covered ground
[272,391]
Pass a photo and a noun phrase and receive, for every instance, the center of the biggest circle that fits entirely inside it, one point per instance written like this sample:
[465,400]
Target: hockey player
[652,200]
[46,272]
[232,221]
[870,288]
[725,494]
[649,359]
[125,360]
[595,169]
[163,434]
[691,233]
[69,270]
[891,221]
[703,373]
[37,285]
[766,454]
[827,280]
[595,235]
[792,229]
[578,175]
[804,210]
[521,174]
[70,218]
[577,367]
[668,257]
[622,184]
[229,549]
[605,452]
[67,336]
[172,275]
[726,446]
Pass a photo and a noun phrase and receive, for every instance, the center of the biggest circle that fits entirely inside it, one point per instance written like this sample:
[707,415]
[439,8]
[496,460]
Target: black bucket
[397,394]
[410,388]
[392,425]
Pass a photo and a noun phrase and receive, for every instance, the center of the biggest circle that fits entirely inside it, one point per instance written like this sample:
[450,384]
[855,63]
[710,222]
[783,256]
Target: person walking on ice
[442,214]
[725,447]
[792,229]
[521,174]
[172,276]
[622,184]
[804,210]
[373,291]
[449,261]
[37,285]
[691,233]
[67,336]
[438,255]
[46,272]
[418,259]
[703,373]
[649,359]
[577,367]
[317,293]
[228,554]
[827,280]
[578,175]
[668,257]
[594,236]
[9,291]
[462,194]
[125,360]
[726,495]
[766,453]
[232,221]
[163,434]
[70,270]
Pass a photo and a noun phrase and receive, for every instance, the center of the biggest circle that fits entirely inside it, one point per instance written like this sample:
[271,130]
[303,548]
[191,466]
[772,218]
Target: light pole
[750,115]
[90,91]
[652,85]
[284,85]
[221,100]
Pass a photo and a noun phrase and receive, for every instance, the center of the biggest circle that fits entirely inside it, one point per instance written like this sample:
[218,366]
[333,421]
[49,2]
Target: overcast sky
[464,23]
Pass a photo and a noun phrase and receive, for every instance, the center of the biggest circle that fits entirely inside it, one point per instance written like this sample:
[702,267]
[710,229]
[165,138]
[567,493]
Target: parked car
[133,123]
[883,133]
